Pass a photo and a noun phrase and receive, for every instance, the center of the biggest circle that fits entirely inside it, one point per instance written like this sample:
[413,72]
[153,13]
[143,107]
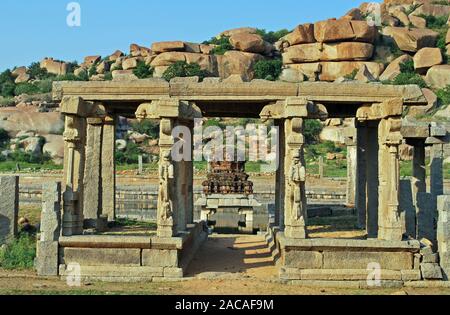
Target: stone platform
[345,262]
[116,258]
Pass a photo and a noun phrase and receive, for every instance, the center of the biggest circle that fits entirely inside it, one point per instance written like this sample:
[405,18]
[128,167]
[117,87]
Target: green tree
[143,70]
[222,44]
[272,37]
[184,69]
[313,128]
[268,69]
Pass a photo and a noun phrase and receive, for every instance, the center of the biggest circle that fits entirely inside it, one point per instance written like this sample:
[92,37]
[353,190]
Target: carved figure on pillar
[297,176]
[166,175]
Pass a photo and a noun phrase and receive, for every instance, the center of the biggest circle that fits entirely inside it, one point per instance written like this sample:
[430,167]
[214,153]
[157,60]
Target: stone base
[128,258]
[336,261]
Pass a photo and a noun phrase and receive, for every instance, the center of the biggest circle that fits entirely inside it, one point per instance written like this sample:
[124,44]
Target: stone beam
[168,108]
[257,90]
[389,108]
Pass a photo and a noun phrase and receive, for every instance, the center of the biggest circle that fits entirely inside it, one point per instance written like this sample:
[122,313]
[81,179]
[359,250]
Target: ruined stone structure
[91,108]
[9,207]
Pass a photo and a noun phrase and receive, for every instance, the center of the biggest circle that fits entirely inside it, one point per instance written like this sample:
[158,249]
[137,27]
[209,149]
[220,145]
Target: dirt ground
[225,265]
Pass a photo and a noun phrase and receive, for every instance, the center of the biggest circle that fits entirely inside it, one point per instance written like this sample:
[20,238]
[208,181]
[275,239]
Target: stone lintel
[73,105]
[377,111]
[434,140]
[348,245]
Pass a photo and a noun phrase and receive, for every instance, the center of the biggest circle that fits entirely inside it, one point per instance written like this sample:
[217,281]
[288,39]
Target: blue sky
[33,29]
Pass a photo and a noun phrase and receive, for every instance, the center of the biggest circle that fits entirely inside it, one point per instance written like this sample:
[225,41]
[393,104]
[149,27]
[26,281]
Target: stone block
[347,274]
[173,273]
[47,258]
[361,260]
[51,212]
[411,275]
[303,259]
[102,256]
[430,258]
[431,271]
[9,207]
[160,258]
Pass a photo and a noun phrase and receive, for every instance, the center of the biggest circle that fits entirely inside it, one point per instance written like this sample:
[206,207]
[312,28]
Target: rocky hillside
[408,43]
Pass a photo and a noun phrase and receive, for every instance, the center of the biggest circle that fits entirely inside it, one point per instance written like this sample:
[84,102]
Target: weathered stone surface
[353,14]
[447,38]
[430,8]
[418,21]
[360,260]
[333,70]
[166,59]
[302,34]
[236,62]
[9,207]
[139,51]
[159,258]
[303,259]
[116,273]
[161,47]
[393,69]
[421,110]
[431,271]
[51,212]
[310,70]
[427,57]
[328,52]
[411,40]
[130,63]
[124,75]
[438,77]
[246,42]
[19,71]
[102,256]
[91,60]
[291,75]
[54,67]
[22,78]
[347,274]
[364,75]
[47,258]
[342,30]
[235,31]
[116,55]
[411,275]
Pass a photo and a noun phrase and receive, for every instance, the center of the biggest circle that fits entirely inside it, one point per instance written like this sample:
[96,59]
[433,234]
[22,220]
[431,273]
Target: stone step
[347,274]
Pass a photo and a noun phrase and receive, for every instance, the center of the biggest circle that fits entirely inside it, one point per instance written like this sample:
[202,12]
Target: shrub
[92,71]
[7,101]
[7,89]
[223,45]
[444,95]
[272,37]
[143,70]
[435,22]
[408,78]
[130,155]
[26,88]
[19,254]
[352,75]
[407,67]
[148,127]
[4,137]
[268,69]
[6,76]
[28,157]
[184,69]
[36,72]
[71,66]
[44,86]
[313,128]
[108,76]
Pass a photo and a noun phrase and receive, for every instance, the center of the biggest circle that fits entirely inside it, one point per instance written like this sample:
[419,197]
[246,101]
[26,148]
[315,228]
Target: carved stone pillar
[280,175]
[391,219]
[108,169]
[74,143]
[166,217]
[295,177]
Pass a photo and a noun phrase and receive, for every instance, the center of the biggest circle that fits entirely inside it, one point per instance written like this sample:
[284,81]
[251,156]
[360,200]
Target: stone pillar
[47,246]
[75,110]
[443,233]
[295,177]
[361,178]
[9,207]
[280,177]
[390,222]
[351,171]
[372,179]
[108,169]
[436,169]
[166,212]
[92,183]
